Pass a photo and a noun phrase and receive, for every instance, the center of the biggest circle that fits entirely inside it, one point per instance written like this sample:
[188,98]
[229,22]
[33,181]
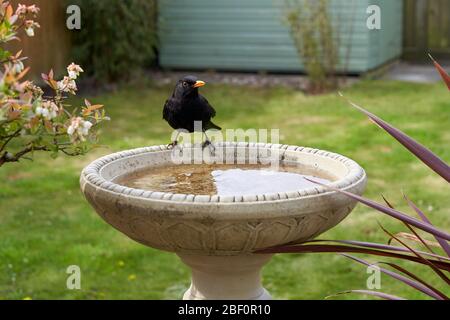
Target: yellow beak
[199,84]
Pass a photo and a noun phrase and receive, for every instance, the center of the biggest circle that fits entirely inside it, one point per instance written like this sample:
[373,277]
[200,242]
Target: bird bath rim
[93,174]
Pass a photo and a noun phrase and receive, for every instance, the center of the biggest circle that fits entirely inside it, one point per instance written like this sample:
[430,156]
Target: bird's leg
[172,144]
[207,142]
[175,142]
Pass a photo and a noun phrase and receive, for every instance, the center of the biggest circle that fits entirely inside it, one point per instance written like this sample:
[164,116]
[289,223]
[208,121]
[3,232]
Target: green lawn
[46,224]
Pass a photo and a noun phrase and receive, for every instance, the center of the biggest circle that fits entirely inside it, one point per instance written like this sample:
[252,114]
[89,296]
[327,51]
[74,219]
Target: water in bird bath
[224,179]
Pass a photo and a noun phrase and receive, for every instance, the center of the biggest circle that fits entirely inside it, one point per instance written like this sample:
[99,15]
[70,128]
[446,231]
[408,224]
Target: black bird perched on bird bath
[186,106]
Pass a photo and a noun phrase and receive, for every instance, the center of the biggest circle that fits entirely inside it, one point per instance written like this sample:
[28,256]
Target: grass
[46,224]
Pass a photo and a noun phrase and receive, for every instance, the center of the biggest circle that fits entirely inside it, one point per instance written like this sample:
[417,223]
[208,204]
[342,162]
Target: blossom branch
[25,113]
[8,157]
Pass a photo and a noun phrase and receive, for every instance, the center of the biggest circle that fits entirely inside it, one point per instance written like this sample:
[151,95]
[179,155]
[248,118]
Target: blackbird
[187,106]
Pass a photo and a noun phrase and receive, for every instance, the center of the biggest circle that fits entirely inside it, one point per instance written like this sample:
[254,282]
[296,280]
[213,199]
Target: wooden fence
[50,47]
[426,29]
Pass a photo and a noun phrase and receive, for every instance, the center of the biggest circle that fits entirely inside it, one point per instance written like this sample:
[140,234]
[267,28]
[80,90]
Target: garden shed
[253,35]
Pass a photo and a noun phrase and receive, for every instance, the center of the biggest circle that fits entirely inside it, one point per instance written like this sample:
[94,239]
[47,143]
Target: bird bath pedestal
[216,235]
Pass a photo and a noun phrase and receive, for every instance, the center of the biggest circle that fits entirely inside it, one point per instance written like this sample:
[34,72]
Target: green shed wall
[251,35]
[387,43]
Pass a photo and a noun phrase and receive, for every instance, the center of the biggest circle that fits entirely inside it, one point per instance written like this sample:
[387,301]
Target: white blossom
[33,9]
[48,110]
[79,129]
[30,31]
[67,85]
[18,67]
[21,9]
[30,25]
[74,70]
[71,130]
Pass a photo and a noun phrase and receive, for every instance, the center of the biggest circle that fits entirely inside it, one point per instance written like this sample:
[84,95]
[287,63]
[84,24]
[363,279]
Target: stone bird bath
[217,235]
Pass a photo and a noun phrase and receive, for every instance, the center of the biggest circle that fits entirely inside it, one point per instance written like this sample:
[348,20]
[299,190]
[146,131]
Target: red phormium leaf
[426,245]
[421,152]
[445,246]
[379,246]
[415,277]
[441,71]
[322,248]
[391,212]
[426,261]
[412,283]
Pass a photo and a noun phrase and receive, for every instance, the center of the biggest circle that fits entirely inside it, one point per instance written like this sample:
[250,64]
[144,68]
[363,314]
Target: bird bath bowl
[215,235]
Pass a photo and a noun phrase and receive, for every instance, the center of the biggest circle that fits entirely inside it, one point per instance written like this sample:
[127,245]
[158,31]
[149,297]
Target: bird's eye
[185,84]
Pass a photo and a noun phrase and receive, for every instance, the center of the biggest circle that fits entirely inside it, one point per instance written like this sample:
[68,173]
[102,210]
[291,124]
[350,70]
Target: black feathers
[187,106]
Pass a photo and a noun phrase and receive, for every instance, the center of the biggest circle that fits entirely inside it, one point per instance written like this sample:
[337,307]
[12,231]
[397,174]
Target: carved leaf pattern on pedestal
[190,236]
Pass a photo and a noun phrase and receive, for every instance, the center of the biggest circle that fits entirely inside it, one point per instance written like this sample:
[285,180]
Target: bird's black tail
[211,125]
